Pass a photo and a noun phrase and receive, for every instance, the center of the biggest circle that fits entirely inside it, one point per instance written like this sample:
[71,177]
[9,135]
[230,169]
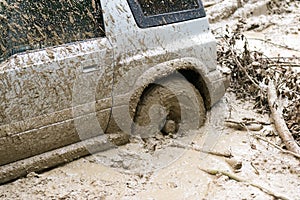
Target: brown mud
[133,172]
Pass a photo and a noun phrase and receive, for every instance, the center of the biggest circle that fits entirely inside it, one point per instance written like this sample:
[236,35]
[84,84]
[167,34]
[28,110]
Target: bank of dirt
[170,167]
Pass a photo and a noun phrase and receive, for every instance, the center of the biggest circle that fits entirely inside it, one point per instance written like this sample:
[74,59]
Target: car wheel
[170,105]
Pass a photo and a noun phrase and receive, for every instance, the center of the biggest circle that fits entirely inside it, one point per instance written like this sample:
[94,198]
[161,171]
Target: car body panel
[37,96]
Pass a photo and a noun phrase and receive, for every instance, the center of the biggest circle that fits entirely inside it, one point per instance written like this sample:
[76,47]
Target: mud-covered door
[56,69]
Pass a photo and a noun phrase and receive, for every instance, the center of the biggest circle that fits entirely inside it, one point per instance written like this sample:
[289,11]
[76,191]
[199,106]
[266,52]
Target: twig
[256,170]
[248,122]
[234,125]
[272,43]
[283,65]
[209,4]
[276,146]
[207,190]
[244,125]
[280,124]
[271,143]
[241,66]
[283,61]
[228,174]
[196,148]
[242,180]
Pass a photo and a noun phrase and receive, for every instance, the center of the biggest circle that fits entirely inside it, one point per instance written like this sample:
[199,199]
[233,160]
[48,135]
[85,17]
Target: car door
[56,73]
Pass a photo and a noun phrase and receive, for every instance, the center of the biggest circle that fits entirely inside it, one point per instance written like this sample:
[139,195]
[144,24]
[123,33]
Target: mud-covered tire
[169,100]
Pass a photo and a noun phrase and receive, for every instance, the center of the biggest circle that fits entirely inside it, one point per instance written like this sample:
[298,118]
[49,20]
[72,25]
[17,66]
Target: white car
[81,76]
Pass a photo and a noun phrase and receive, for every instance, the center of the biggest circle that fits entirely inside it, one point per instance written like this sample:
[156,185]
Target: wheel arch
[191,68]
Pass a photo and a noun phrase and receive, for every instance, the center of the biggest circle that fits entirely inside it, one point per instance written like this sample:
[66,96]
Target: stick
[242,180]
[253,126]
[280,124]
[241,66]
[195,148]
[209,4]
[272,144]
[272,43]
[256,170]
[283,65]
[276,146]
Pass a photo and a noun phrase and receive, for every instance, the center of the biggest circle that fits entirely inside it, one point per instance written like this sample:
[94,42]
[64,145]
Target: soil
[169,167]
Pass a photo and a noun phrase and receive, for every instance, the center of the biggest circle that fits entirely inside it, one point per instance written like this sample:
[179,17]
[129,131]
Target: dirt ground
[162,169]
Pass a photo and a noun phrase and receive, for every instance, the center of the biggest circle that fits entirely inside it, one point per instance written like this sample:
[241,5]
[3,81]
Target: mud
[135,172]
[30,25]
[153,169]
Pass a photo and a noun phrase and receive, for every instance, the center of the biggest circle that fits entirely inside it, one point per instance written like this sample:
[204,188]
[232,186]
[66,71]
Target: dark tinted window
[155,7]
[150,13]
[32,24]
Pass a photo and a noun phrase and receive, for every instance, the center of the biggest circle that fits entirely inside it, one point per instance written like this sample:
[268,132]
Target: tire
[170,105]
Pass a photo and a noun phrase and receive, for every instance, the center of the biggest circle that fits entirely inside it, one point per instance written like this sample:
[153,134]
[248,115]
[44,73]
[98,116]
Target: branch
[240,179]
[236,60]
[253,126]
[277,45]
[276,146]
[283,65]
[196,148]
[280,124]
[209,4]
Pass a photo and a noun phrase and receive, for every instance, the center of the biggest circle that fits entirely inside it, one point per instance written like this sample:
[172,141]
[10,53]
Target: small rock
[172,185]
[235,164]
[253,146]
[255,127]
[33,174]
[170,127]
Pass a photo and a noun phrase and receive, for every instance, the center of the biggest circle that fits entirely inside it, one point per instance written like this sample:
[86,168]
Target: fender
[209,83]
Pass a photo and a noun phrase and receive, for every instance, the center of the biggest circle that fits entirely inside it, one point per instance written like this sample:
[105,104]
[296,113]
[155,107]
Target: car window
[155,7]
[151,13]
[32,24]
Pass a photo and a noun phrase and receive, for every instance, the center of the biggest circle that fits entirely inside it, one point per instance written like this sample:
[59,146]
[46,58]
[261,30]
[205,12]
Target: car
[77,77]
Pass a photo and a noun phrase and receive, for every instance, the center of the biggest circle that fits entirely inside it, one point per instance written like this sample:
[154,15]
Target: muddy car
[77,77]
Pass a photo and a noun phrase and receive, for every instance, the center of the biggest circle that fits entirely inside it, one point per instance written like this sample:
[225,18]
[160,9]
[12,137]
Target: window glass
[151,13]
[32,24]
[155,7]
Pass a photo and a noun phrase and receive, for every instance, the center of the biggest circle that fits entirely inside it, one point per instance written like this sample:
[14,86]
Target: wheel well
[193,77]
[197,80]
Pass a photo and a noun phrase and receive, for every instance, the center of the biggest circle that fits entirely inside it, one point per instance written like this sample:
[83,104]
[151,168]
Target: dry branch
[242,180]
[276,146]
[253,126]
[196,148]
[280,124]
[209,4]
[239,64]
[274,44]
[250,75]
